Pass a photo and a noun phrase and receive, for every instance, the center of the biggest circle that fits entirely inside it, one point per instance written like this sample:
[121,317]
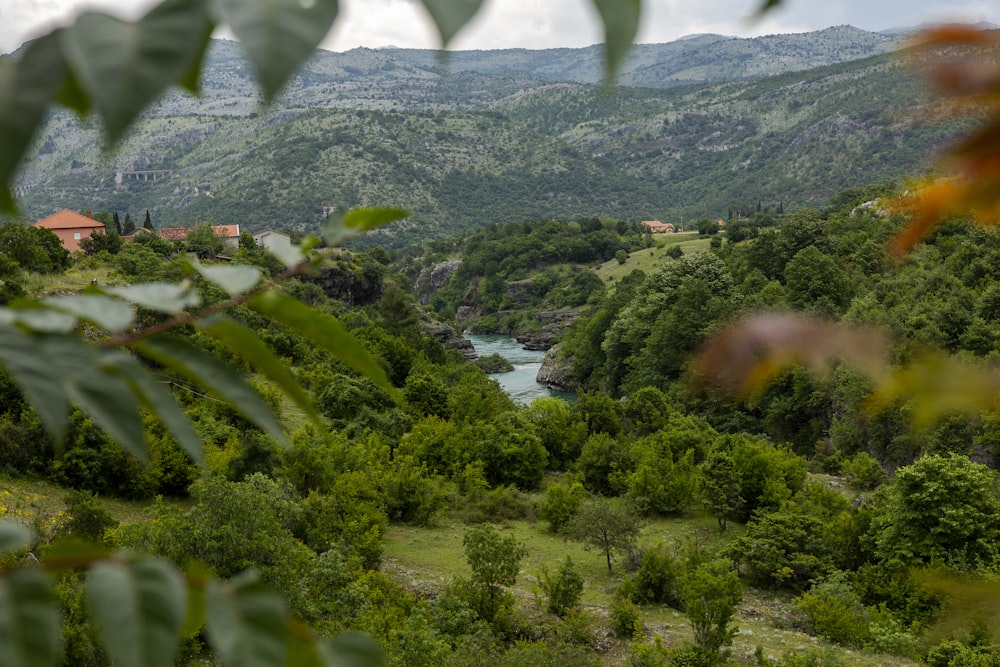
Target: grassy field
[648,259]
[427,558]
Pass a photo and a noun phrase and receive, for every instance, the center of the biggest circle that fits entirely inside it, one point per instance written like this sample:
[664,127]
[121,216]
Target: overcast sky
[548,23]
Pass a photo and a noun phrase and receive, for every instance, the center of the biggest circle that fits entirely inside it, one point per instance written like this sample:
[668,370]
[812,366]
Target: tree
[148,222]
[203,242]
[710,595]
[719,485]
[941,509]
[128,226]
[495,562]
[609,525]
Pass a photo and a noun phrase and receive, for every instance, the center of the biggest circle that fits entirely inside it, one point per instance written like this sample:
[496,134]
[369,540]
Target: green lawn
[648,259]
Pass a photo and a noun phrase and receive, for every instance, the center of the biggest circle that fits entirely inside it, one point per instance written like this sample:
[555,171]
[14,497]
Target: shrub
[561,504]
[624,618]
[562,589]
[835,612]
[86,517]
[656,580]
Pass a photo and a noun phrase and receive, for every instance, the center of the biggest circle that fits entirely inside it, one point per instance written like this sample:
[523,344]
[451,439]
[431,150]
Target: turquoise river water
[520,383]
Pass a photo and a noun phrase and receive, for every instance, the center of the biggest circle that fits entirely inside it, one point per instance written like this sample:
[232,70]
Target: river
[520,383]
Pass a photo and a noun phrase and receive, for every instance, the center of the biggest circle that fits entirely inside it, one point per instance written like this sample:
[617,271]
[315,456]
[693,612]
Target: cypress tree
[128,226]
[148,223]
[118,223]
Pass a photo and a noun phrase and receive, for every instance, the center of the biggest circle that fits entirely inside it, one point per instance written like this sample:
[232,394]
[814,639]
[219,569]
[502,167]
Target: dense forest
[719,529]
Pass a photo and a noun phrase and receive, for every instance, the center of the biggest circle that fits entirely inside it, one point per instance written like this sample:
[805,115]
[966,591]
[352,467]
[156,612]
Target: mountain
[490,136]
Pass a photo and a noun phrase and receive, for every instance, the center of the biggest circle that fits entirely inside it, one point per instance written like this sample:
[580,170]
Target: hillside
[488,137]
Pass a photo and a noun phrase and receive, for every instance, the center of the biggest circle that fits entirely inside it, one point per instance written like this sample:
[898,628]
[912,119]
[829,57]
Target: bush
[835,612]
[863,472]
[656,580]
[624,618]
[561,504]
[86,517]
[562,589]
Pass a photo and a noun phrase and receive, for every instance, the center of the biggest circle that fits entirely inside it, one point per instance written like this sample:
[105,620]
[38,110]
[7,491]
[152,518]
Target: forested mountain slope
[492,137]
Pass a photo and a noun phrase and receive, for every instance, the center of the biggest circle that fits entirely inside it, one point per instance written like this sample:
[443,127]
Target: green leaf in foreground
[246,623]
[138,609]
[169,298]
[450,16]
[27,87]
[124,66]
[251,349]
[621,23]
[233,278]
[25,358]
[107,397]
[182,357]
[353,650]
[29,620]
[340,227]
[278,35]
[323,330]
[13,536]
[110,314]
[159,401]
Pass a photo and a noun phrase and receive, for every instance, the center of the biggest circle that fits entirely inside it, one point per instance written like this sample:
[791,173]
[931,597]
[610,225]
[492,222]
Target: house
[272,240]
[70,227]
[657,227]
[141,231]
[228,234]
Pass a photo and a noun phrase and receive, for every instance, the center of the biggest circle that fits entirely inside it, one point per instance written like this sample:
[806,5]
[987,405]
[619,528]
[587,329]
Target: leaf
[138,609]
[25,358]
[278,35]
[27,87]
[290,255]
[13,536]
[70,552]
[163,297]
[233,278]
[353,650]
[251,349]
[159,401]
[768,5]
[246,622]
[340,227]
[32,315]
[107,397]
[744,358]
[937,384]
[450,16]
[181,356]
[109,314]
[323,330]
[125,66]
[29,620]
[621,23]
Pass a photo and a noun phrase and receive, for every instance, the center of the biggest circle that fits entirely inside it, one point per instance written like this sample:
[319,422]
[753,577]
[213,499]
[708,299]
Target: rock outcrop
[451,339]
[433,278]
[554,322]
[557,371]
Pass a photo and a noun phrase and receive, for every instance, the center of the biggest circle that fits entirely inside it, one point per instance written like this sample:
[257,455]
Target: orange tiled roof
[67,219]
[180,233]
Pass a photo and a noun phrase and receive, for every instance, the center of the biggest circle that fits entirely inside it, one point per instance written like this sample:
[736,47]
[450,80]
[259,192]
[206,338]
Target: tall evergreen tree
[118,223]
[128,226]
[148,223]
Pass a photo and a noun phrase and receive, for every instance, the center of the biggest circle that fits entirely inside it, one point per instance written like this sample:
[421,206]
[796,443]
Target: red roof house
[70,227]
[229,234]
[657,227]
